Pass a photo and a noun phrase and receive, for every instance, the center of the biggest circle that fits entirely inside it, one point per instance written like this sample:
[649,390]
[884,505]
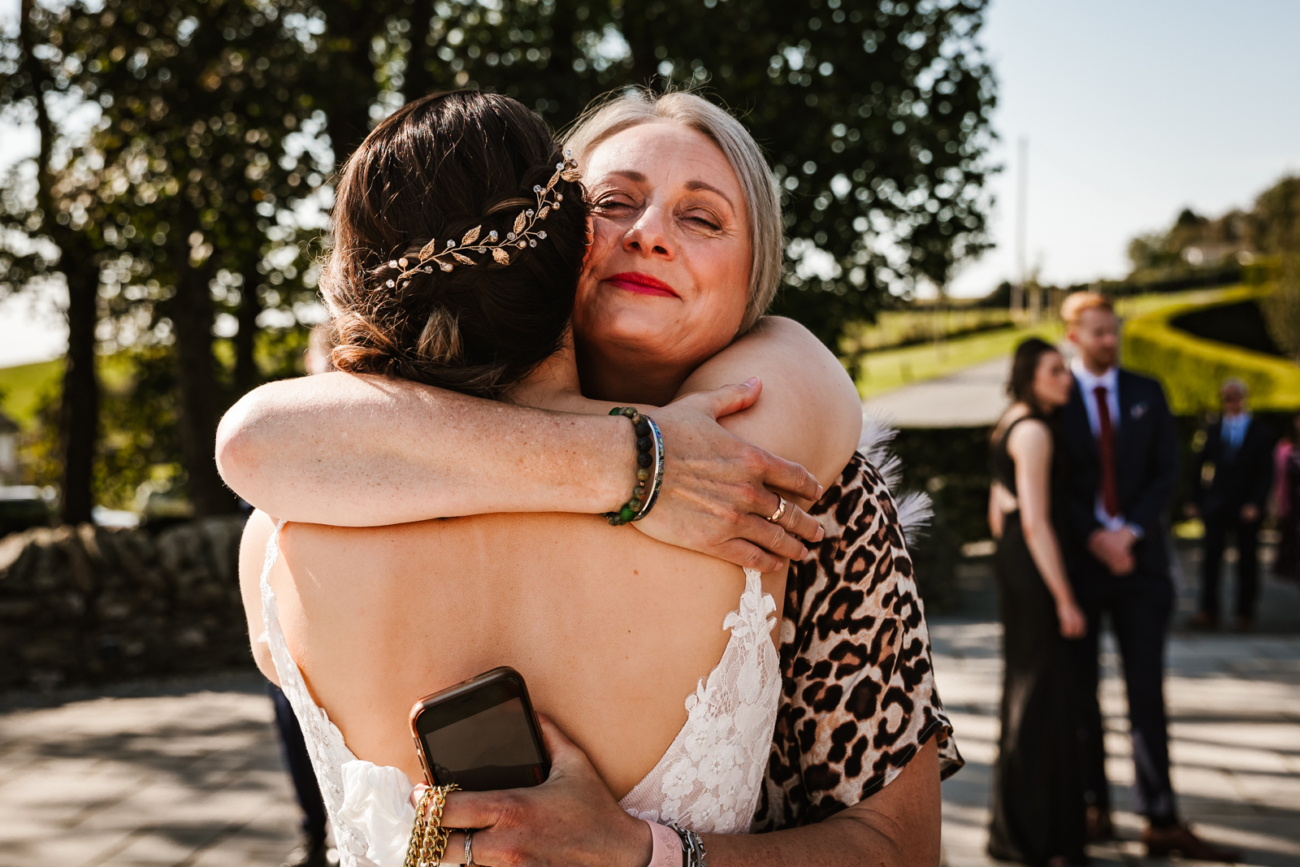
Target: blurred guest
[1286,502]
[1232,474]
[1038,780]
[1119,465]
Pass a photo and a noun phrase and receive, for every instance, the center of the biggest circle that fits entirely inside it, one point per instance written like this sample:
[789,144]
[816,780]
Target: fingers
[799,523]
[771,537]
[747,556]
[471,810]
[455,851]
[730,399]
[783,475]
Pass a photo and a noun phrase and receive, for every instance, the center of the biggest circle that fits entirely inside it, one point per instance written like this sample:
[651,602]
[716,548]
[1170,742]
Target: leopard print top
[858,696]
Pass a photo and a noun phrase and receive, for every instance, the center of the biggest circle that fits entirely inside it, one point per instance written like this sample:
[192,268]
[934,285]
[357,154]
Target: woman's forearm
[899,828]
[366,451]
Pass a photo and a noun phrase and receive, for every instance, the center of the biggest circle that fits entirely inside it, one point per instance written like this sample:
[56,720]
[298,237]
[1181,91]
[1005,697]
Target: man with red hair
[1120,455]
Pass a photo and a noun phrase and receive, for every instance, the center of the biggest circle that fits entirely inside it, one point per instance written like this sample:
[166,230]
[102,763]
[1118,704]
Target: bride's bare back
[611,630]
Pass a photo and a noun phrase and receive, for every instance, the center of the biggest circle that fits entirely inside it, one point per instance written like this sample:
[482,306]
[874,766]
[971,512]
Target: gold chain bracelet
[428,837]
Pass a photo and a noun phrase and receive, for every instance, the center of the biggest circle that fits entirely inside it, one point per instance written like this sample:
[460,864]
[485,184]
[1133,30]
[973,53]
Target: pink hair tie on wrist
[667,850]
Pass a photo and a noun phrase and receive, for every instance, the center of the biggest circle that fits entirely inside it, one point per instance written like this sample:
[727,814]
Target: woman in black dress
[1038,784]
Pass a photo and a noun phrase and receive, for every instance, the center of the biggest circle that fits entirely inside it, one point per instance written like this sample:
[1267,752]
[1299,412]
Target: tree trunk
[349,29]
[191,311]
[79,406]
[418,80]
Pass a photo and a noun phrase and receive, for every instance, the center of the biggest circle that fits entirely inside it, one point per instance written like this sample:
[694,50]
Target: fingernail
[821,533]
[820,491]
[751,382]
[803,552]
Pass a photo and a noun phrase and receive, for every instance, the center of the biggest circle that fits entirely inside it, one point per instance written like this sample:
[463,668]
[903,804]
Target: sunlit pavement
[189,773]
[186,774]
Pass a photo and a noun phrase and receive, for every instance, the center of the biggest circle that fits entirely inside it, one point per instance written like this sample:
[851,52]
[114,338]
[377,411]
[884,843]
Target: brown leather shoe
[1163,842]
[1099,827]
[1202,622]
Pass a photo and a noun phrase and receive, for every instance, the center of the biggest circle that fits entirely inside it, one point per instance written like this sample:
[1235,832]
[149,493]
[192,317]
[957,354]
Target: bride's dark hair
[433,170]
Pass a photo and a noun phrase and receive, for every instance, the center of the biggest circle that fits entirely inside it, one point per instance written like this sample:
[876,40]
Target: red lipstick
[642,284]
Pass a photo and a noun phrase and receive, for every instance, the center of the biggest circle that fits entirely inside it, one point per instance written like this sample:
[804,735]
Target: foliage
[187,150]
[1195,242]
[1191,368]
[1282,308]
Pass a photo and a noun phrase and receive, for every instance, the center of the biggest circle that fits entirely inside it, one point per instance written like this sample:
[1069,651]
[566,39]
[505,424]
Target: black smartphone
[481,734]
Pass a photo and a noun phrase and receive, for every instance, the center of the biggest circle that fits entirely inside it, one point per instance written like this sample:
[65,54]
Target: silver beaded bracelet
[693,854]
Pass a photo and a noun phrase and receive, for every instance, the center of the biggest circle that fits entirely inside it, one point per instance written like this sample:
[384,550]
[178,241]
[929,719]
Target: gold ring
[780,510]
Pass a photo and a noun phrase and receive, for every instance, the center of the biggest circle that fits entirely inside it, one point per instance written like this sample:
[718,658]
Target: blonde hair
[1078,303]
[619,110]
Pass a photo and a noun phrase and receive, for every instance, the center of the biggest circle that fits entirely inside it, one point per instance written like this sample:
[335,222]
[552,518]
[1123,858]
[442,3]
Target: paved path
[972,397]
[189,773]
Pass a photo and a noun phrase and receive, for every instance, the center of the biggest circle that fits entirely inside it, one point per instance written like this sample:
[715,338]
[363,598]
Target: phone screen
[482,741]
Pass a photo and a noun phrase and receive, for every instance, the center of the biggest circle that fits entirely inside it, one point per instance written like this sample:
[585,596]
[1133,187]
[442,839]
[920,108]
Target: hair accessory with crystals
[524,233]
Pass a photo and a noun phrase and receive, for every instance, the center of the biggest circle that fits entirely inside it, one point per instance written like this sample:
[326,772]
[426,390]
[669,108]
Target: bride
[657,661]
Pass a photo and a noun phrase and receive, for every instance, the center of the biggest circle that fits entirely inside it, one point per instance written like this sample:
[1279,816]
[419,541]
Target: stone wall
[86,605]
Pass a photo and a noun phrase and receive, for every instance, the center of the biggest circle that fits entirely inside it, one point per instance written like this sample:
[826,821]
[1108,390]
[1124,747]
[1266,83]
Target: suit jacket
[1146,469]
[1246,476]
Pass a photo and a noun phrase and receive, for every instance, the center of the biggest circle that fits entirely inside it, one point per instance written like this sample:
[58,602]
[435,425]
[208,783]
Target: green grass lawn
[22,387]
[886,370]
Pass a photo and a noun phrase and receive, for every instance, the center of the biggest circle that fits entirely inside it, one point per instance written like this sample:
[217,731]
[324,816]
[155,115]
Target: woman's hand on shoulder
[810,411]
[719,489]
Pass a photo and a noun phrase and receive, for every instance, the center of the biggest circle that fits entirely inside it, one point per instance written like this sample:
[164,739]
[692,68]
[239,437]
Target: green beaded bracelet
[649,467]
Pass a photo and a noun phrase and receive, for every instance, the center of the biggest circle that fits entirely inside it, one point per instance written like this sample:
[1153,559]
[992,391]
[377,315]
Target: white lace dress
[709,779]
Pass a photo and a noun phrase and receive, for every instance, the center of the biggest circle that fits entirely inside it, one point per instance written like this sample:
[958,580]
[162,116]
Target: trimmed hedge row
[1191,368]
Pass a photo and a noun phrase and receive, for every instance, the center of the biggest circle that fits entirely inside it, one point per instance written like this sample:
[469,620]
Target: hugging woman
[684,258]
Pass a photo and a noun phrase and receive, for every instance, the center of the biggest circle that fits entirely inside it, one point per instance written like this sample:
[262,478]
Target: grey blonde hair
[625,109]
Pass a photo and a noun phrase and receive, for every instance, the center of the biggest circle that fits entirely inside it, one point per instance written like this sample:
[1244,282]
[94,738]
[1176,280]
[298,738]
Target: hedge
[1191,369]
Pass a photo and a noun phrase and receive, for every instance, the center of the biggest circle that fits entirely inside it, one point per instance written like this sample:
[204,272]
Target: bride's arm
[358,450]
[365,450]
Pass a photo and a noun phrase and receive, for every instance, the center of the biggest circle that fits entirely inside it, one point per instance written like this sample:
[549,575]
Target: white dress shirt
[1088,383]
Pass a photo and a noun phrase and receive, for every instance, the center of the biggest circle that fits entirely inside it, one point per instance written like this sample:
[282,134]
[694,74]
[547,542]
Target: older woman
[685,258]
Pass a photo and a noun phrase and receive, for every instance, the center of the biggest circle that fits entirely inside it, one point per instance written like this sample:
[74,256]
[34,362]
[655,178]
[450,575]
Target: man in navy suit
[1120,464]
[1231,479]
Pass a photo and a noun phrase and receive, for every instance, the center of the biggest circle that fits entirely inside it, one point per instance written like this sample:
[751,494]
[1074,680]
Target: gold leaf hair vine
[524,233]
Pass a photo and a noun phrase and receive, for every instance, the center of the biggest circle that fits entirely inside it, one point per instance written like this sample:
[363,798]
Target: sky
[1132,111]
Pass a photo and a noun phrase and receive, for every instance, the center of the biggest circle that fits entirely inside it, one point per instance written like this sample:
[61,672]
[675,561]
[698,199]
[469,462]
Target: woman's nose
[649,234]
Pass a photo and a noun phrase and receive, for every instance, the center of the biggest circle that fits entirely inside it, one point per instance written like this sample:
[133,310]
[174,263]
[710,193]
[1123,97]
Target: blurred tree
[52,214]
[194,125]
[875,114]
[1275,219]
[1275,222]
[190,172]
[214,126]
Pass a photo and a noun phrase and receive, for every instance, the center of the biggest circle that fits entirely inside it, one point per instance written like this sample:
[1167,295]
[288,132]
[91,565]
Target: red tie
[1106,451]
